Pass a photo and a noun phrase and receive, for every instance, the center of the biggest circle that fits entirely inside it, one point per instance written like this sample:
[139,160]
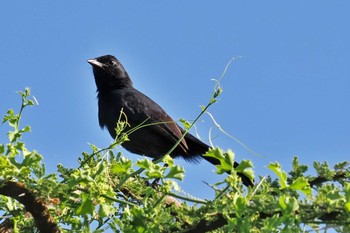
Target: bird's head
[109,73]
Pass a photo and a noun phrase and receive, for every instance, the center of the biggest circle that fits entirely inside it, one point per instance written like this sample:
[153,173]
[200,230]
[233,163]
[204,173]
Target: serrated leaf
[118,168]
[301,184]
[144,163]
[243,165]
[276,168]
[225,159]
[31,159]
[229,156]
[176,172]
[79,178]
[154,174]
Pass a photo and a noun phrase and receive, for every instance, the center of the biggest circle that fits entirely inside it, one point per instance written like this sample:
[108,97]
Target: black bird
[115,92]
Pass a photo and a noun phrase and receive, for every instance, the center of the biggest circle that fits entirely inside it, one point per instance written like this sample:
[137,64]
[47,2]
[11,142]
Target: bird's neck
[124,82]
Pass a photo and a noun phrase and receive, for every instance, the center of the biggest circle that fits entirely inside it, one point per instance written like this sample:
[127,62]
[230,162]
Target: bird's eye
[112,62]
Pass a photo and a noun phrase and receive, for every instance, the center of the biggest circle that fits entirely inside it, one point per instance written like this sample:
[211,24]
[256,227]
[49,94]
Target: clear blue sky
[287,95]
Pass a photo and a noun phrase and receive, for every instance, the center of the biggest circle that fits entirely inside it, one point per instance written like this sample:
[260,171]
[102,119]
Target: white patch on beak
[95,63]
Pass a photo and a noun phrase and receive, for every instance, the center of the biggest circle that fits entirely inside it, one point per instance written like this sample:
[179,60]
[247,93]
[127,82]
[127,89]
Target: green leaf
[26,129]
[144,163]
[334,196]
[4,162]
[10,117]
[298,169]
[217,92]
[341,165]
[289,204]
[154,173]
[31,159]
[30,102]
[101,169]
[245,167]
[152,170]
[118,168]
[324,170]
[185,123]
[347,206]
[295,163]
[86,206]
[301,184]
[240,205]
[105,210]
[226,159]
[276,168]
[168,160]
[176,172]
[122,165]
[80,178]
[2,148]
[13,135]
[347,196]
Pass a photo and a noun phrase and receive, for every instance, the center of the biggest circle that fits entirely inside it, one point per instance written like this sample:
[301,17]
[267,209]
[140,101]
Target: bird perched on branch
[116,92]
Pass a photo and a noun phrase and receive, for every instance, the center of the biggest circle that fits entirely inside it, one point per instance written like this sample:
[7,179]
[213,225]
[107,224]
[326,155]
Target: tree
[106,192]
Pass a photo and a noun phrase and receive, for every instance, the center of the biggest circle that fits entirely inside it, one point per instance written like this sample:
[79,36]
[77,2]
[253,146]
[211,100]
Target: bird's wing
[138,108]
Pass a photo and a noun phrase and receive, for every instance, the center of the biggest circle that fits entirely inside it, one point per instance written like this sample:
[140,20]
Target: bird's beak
[95,63]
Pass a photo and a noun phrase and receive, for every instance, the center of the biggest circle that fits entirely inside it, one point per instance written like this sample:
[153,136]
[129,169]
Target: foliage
[107,192]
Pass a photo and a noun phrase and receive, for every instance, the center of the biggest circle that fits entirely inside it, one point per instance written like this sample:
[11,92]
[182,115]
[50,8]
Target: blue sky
[287,94]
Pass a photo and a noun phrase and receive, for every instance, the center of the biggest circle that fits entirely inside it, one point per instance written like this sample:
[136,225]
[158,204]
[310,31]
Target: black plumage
[116,92]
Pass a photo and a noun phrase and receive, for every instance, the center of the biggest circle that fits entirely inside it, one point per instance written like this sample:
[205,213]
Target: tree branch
[39,211]
[320,179]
